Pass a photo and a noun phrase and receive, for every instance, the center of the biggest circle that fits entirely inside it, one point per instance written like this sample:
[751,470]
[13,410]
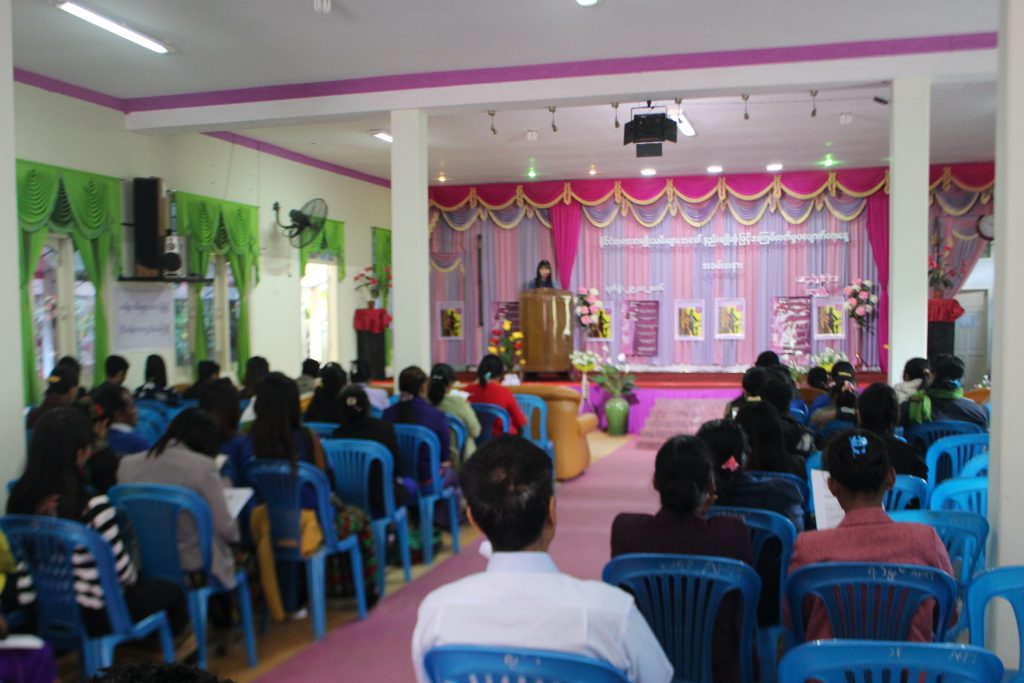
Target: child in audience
[880,413]
[53,485]
[361,376]
[768,451]
[326,404]
[206,371]
[116,368]
[843,378]
[944,399]
[117,404]
[917,374]
[442,378]
[859,475]
[488,389]
[61,391]
[155,387]
[184,457]
[684,478]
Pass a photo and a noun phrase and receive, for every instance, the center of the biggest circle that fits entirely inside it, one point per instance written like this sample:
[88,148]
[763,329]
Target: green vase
[616,411]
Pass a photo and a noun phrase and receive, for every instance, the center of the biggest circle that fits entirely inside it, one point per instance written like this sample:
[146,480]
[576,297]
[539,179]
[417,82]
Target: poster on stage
[730,318]
[505,310]
[145,317]
[829,319]
[450,316]
[640,329]
[689,320]
[600,328]
[791,325]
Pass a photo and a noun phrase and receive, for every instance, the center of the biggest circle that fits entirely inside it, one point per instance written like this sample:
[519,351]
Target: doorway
[971,340]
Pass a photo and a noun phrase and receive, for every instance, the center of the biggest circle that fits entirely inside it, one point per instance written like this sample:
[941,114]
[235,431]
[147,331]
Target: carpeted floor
[378,649]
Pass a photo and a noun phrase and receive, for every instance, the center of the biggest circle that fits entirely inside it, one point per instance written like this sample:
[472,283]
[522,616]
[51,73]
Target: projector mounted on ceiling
[648,130]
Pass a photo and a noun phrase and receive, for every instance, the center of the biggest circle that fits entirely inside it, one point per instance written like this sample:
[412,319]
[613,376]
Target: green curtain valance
[332,241]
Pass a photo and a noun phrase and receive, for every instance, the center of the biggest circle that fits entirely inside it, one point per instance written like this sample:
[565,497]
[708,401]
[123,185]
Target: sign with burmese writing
[640,328]
[144,317]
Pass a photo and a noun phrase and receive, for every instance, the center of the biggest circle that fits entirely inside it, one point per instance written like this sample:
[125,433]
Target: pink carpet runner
[378,649]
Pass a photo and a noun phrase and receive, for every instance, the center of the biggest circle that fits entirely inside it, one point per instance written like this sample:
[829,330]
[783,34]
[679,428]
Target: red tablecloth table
[944,310]
[374,320]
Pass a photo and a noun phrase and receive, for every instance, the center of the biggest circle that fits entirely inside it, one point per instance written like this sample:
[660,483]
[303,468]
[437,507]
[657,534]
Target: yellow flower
[517,335]
[522,362]
[492,349]
[507,325]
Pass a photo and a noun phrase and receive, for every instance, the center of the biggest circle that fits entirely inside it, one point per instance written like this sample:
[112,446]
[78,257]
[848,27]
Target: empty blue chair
[473,664]
[947,456]
[488,413]
[869,600]
[1006,583]
[906,491]
[349,461]
[324,430]
[536,430]
[828,661]
[155,511]
[929,432]
[46,546]
[680,596]
[976,467]
[459,431]
[966,493]
[963,533]
[279,487]
[415,441]
[766,526]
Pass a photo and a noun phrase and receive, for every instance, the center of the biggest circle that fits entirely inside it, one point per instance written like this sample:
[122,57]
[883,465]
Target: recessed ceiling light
[685,127]
[382,135]
[117,29]
[648,171]
[442,178]
[714,169]
[531,172]
[592,171]
[773,168]
[587,3]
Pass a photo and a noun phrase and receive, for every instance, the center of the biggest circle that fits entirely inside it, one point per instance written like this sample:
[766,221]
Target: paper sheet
[827,511]
[236,499]
[21,641]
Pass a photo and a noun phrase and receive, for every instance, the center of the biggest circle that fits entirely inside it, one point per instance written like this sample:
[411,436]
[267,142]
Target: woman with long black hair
[439,392]
[543,278]
[155,387]
[488,389]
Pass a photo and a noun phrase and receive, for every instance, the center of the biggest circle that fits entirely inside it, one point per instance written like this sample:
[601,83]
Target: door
[971,341]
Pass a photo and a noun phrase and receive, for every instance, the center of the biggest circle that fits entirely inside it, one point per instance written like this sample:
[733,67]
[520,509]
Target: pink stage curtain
[954,232]
[565,233]
[878,235]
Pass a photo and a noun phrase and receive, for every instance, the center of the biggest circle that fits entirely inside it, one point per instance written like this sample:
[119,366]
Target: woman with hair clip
[155,388]
[859,475]
[488,389]
[61,391]
[685,481]
[326,403]
[917,375]
[439,392]
[768,453]
[543,278]
[842,378]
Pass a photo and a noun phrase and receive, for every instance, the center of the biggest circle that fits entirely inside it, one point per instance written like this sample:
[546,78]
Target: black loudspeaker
[146,204]
[941,338]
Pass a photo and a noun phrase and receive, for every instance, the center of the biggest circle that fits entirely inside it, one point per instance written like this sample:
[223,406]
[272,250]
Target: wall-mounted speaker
[146,203]
[173,259]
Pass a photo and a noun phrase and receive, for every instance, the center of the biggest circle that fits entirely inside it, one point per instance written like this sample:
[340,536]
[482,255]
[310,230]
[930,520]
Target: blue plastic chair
[155,511]
[830,429]
[459,431]
[947,456]
[799,410]
[904,492]
[472,664]
[976,467]
[928,433]
[963,533]
[156,406]
[680,596]
[349,461]
[801,484]
[765,526]
[966,493]
[376,412]
[814,462]
[869,600]
[487,413]
[414,441]
[46,546]
[279,488]
[536,411]
[876,661]
[324,430]
[1006,583]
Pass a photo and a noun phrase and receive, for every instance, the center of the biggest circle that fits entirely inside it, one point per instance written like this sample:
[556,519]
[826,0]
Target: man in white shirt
[522,600]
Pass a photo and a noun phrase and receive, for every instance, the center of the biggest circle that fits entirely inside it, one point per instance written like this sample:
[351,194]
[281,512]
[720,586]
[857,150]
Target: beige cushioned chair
[567,429]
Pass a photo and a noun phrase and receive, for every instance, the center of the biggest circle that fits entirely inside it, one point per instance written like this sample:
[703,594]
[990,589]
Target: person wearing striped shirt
[53,485]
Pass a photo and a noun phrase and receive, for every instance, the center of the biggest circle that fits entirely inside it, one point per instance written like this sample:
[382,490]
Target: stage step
[670,417]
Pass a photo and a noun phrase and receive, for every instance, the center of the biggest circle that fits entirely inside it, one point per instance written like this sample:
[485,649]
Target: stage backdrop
[707,257]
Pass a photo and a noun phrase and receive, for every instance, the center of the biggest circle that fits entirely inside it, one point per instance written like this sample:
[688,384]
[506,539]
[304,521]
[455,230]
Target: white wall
[62,131]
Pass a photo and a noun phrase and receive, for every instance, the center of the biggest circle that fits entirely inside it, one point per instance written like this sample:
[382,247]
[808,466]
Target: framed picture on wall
[600,329]
[689,320]
[829,318]
[450,318]
[730,318]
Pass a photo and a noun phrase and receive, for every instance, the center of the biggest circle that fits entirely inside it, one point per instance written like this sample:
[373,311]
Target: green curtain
[85,206]
[381,261]
[332,241]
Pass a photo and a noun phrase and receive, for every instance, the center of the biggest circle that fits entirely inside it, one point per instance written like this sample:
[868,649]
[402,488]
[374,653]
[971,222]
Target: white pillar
[1006,474]
[12,425]
[410,240]
[908,222]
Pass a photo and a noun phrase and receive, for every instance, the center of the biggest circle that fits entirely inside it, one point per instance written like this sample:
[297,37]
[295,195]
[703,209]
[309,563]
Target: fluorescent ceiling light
[773,168]
[685,127]
[114,27]
[714,169]
[648,171]
[382,135]
[587,3]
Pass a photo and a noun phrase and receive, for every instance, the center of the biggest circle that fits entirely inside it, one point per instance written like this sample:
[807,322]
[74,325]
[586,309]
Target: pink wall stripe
[67,89]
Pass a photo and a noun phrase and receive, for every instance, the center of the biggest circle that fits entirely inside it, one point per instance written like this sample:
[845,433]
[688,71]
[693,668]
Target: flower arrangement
[507,345]
[614,379]
[826,359]
[370,280]
[941,276]
[985,383]
[584,361]
[861,301]
[587,306]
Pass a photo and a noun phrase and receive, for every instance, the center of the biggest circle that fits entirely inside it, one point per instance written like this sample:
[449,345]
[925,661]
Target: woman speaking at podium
[543,278]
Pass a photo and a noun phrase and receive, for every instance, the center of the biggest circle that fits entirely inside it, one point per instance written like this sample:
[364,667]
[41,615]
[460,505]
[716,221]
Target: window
[85,319]
[44,311]
[188,302]
[317,297]
[234,314]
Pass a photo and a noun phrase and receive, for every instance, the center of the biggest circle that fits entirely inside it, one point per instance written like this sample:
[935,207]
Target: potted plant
[368,279]
[618,383]
[507,344]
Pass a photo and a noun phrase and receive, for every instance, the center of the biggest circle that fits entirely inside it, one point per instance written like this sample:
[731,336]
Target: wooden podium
[547,323]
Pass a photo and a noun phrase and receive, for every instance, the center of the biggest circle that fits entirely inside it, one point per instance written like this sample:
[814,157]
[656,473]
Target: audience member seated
[879,414]
[116,368]
[522,600]
[100,468]
[53,485]
[117,403]
[738,487]
[488,389]
[767,359]
[798,439]
[843,378]
[816,385]
[326,405]
[61,391]
[754,380]
[917,375]
[412,408]
[685,481]
[358,423]
[767,449]
[307,380]
[219,398]
[184,457]
[361,375]
[859,475]
[72,364]
[844,411]
[256,369]
[944,399]
[442,378]
[206,371]
[155,387]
